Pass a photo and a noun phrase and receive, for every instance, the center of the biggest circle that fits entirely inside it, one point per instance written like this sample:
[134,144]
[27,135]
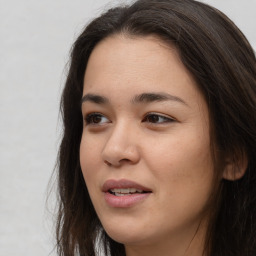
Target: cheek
[89,159]
[183,162]
[184,173]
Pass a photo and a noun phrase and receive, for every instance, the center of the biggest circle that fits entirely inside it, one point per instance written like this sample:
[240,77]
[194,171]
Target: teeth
[125,191]
[118,194]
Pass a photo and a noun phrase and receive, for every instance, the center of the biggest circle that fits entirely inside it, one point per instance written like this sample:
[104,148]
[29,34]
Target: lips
[124,193]
[124,186]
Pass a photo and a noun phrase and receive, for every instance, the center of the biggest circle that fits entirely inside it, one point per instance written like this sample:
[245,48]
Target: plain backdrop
[35,38]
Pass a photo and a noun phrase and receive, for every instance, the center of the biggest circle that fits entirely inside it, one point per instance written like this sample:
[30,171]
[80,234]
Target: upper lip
[123,183]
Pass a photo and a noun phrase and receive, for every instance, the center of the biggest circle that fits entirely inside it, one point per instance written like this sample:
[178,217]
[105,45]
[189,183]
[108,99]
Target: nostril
[107,163]
[118,163]
[124,160]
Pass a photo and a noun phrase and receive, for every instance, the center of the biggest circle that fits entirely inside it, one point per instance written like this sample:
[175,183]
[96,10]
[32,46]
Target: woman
[158,151]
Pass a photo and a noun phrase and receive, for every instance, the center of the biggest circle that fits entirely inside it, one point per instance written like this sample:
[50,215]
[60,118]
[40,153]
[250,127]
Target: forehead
[121,65]
[133,55]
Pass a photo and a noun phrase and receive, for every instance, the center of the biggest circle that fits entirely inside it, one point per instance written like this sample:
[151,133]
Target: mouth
[124,187]
[124,193]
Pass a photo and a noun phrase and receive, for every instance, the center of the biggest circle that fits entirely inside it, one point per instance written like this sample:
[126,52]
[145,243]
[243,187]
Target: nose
[121,147]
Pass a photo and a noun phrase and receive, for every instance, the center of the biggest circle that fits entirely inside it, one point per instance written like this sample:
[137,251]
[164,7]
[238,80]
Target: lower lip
[124,201]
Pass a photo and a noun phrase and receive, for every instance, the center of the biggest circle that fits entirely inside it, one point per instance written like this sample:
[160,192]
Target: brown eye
[96,118]
[155,119]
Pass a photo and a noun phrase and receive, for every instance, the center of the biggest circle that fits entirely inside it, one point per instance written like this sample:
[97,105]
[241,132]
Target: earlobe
[235,168]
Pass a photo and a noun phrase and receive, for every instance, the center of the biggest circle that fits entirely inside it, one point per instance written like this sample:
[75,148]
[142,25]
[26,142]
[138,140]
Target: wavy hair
[223,64]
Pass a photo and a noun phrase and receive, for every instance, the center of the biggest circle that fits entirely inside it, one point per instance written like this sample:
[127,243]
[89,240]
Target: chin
[125,234]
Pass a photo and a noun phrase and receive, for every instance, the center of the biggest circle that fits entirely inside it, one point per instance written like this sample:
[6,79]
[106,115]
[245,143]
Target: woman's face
[145,149]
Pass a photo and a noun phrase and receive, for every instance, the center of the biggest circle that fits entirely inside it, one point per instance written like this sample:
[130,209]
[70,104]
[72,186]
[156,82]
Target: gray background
[35,38]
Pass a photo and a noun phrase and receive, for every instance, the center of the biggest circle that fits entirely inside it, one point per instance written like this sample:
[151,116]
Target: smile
[124,193]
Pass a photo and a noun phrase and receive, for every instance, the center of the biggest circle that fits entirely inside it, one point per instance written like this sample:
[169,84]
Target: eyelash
[156,118]
[90,119]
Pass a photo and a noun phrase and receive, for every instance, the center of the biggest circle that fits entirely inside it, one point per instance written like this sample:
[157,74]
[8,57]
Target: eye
[96,119]
[157,119]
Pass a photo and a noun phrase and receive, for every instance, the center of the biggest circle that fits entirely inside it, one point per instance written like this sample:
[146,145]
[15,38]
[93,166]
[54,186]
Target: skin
[162,145]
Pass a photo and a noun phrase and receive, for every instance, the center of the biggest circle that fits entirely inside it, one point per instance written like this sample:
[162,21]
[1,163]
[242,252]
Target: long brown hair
[223,63]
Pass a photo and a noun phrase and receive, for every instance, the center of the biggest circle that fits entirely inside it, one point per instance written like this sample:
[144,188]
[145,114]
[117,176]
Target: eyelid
[160,119]
[168,119]
[88,121]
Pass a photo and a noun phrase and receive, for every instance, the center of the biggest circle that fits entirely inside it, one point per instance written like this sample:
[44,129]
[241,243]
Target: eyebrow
[94,98]
[156,97]
[141,98]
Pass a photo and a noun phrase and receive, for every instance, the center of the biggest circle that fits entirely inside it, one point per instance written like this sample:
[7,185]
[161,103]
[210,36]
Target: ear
[235,167]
